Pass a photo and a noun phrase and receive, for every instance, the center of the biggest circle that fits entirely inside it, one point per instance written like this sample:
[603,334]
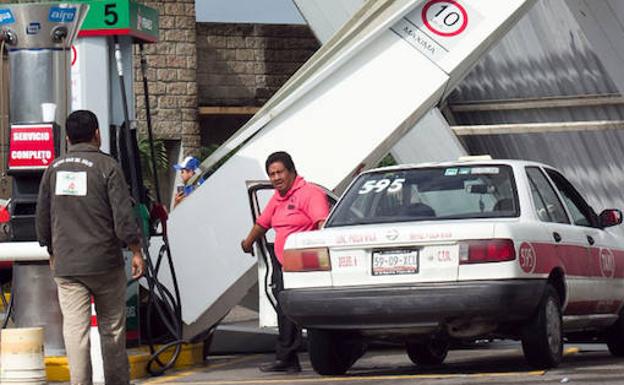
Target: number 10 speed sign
[436,26]
[444,17]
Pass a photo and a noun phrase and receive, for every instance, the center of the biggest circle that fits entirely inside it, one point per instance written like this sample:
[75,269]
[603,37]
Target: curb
[57,368]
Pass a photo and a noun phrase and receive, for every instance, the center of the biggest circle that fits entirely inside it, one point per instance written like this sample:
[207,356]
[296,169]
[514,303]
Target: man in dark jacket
[85,218]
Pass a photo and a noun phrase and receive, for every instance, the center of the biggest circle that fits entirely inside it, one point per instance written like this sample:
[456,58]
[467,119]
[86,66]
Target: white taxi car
[434,253]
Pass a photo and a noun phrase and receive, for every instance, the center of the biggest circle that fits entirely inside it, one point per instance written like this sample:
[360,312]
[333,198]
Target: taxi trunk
[389,255]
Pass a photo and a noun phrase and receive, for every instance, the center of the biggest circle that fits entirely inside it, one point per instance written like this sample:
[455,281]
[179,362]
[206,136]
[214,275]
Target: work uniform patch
[71,183]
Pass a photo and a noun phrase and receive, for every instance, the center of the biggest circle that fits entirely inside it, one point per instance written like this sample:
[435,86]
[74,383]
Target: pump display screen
[31,146]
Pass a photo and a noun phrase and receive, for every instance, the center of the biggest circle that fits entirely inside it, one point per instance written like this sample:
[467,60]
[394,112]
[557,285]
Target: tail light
[306,260]
[487,250]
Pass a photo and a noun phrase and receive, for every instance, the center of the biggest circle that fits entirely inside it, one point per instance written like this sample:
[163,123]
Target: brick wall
[172,75]
[244,64]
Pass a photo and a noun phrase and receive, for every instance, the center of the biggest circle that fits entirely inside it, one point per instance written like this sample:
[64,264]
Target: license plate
[395,262]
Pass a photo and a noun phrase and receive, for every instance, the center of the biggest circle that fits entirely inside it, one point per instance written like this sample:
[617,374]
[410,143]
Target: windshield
[476,191]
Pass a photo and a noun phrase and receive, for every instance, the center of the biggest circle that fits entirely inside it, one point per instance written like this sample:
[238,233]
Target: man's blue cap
[190,163]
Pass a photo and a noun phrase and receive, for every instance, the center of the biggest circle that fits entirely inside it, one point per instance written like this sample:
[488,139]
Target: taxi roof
[458,163]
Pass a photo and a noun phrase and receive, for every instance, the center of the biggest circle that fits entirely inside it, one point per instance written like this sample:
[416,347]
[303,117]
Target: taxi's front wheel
[542,339]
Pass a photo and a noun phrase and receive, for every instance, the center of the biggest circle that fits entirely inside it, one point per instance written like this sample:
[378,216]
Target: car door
[600,292]
[563,245]
[259,193]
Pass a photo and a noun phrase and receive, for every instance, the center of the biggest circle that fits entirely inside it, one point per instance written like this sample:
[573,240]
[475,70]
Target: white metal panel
[348,111]
[325,17]
[431,139]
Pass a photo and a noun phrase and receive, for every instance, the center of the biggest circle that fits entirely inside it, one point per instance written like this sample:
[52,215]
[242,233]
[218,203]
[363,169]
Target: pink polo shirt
[303,206]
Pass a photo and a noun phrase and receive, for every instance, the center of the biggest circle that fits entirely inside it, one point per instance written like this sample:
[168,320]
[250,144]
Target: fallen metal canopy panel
[344,110]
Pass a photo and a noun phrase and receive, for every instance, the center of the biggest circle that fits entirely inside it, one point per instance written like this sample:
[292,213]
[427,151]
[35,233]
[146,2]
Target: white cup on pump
[48,112]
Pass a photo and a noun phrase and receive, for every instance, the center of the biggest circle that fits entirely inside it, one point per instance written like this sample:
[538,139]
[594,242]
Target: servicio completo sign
[31,146]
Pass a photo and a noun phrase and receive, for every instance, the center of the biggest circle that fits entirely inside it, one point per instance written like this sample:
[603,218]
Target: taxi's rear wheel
[333,352]
[615,337]
[428,353]
[542,338]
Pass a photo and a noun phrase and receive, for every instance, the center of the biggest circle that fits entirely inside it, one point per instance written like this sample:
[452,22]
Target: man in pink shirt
[296,206]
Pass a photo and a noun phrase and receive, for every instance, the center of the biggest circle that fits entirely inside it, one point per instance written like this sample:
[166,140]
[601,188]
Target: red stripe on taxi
[592,307]
[579,260]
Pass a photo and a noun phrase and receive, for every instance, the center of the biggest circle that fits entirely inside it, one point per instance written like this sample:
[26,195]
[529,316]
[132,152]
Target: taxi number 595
[381,185]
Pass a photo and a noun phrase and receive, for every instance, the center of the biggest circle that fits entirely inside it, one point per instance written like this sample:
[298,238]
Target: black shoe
[281,366]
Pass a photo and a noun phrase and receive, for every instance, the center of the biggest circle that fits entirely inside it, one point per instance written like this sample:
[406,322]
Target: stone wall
[172,75]
[244,64]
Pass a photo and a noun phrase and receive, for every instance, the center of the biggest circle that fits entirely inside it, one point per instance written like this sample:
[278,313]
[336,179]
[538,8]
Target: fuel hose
[166,304]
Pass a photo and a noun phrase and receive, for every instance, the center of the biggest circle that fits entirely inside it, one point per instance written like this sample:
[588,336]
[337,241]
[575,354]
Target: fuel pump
[38,38]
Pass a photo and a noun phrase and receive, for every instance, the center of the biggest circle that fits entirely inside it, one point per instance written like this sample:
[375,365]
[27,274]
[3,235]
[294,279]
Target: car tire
[428,353]
[542,338]
[615,337]
[333,352]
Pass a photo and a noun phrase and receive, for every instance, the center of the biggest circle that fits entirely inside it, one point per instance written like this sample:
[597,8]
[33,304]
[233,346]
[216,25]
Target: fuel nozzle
[59,33]
[8,36]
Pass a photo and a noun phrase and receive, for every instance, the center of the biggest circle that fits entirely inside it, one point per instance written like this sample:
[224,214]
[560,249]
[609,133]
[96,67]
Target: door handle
[557,237]
[590,239]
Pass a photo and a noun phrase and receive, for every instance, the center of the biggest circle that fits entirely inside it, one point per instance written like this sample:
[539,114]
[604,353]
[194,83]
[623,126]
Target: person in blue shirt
[188,168]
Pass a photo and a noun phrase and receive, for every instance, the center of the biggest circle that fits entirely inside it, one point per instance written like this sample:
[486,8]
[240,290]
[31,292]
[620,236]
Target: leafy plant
[205,151]
[388,160]
[145,154]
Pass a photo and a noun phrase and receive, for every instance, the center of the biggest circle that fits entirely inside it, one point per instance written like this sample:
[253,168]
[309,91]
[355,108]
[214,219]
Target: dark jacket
[84,212]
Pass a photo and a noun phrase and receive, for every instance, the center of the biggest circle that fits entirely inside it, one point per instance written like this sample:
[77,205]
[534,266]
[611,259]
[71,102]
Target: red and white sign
[445,17]
[437,26]
[527,259]
[31,146]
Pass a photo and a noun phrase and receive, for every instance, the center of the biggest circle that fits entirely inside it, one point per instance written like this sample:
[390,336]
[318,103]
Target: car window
[547,205]
[263,196]
[428,194]
[582,213]
[263,193]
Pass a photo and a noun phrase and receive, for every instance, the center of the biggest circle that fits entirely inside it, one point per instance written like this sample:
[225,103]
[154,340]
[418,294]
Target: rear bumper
[374,307]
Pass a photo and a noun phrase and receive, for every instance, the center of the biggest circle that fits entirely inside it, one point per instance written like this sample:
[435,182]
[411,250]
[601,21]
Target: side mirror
[610,217]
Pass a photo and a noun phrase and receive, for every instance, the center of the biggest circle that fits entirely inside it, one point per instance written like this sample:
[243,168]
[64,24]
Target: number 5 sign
[120,17]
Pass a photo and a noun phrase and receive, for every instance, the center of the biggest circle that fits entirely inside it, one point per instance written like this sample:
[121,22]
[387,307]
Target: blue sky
[248,11]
